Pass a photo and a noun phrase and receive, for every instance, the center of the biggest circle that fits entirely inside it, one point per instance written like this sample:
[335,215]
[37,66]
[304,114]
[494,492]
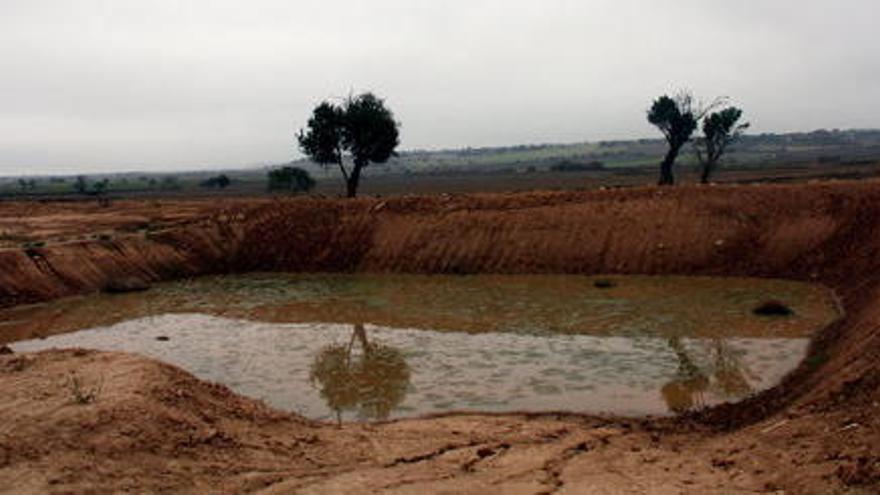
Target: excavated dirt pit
[80,421]
[367,347]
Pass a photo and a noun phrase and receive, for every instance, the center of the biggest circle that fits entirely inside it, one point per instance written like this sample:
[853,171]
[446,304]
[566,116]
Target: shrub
[292,179]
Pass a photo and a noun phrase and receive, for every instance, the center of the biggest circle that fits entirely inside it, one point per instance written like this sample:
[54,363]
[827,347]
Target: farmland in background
[756,158]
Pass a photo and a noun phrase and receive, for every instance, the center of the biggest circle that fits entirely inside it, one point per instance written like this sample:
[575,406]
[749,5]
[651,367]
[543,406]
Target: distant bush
[221,181]
[81,185]
[292,179]
[860,161]
[26,184]
[97,189]
[571,166]
[170,182]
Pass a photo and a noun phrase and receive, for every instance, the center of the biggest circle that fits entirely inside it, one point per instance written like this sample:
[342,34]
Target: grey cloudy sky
[93,85]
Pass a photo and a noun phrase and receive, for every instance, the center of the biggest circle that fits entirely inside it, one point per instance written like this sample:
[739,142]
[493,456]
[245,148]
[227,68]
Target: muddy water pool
[366,347]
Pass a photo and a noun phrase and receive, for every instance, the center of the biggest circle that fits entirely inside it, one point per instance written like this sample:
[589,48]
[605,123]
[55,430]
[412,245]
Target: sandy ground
[153,428]
[66,221]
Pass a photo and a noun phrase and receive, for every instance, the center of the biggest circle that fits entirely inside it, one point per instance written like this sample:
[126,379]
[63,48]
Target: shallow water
[372,347]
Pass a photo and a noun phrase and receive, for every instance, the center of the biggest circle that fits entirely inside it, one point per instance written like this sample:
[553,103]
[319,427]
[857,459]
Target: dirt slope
[156,428]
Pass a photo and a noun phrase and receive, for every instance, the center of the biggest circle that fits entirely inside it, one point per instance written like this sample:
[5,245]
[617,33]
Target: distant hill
[761,151]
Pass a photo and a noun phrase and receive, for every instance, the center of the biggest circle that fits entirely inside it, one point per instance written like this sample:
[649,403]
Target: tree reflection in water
[371,382]
[725,376]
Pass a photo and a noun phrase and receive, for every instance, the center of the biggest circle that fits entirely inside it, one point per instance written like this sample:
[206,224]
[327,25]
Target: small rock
[581,447]
[162,338]
[773,308]
[485,452]
[6,350]
[723,463]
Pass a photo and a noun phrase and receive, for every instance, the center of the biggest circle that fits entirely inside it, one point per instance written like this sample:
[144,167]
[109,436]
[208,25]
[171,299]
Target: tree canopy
[323,141]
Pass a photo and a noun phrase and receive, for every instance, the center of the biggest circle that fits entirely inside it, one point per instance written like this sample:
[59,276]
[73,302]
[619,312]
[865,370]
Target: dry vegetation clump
[80,392]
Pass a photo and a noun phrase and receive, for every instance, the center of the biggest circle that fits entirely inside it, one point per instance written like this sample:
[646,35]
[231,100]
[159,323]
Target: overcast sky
[91,85]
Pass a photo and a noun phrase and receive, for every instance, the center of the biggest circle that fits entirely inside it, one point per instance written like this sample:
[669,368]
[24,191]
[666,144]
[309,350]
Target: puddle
[366,347]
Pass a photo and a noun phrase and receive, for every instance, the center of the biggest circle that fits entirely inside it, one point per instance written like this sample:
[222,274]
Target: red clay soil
[155,428]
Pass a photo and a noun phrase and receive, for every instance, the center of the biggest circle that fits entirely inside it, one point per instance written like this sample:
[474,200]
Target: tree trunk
[351,184]
[667,178]
[707,169]
[686,366]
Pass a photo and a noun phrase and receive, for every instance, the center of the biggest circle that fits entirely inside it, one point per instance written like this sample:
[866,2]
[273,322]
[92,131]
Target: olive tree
[361,131]
[720,129]
[677,118]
